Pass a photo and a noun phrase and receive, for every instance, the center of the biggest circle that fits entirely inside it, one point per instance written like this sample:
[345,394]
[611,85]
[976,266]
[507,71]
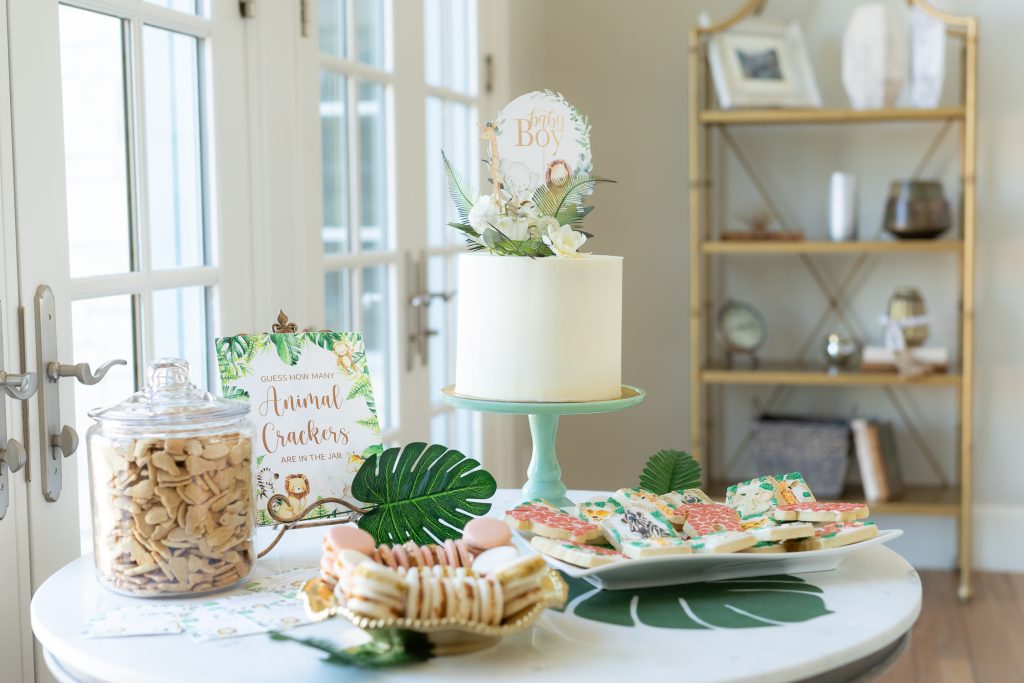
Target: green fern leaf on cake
[458,189]
[670,470]
[421,493]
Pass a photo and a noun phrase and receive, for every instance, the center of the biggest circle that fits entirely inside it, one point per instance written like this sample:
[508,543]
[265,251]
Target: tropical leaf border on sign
[737,603]
[670,470]
[421,493]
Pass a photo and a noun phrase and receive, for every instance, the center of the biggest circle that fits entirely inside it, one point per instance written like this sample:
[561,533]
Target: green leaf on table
[388,647]
[670,471]
[737,603]
[421,493]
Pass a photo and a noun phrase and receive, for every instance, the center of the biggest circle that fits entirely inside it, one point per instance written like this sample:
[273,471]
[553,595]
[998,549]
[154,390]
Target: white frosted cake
[543,329]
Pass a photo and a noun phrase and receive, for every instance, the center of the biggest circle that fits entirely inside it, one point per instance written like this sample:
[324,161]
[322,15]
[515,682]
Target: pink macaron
[483,533]
[350,538]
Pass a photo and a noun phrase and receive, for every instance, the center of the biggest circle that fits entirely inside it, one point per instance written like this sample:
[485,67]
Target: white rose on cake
[565,241]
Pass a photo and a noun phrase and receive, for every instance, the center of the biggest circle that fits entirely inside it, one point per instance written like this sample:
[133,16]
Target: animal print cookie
[707,518]
[642,499]
[766,547]
[548,521]
[794,489]
[723,542]
[579,554]
[785,531]
[677,498]
[821,512]
[636,525]
[656,547]
[754,499]
[836,534]
[595,510]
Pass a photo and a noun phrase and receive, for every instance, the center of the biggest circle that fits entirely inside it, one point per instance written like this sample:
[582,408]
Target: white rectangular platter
[675,569]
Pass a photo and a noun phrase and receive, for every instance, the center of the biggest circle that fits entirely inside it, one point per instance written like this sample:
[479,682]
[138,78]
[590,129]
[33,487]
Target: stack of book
[875,446]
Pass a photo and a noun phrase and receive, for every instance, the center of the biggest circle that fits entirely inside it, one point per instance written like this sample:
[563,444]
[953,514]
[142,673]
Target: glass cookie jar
[171,482]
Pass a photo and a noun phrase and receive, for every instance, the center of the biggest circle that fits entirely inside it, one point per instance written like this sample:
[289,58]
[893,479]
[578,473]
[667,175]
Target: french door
[392,91]
[128,118]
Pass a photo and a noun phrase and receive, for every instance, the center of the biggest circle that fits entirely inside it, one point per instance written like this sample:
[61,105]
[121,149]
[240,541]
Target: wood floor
[980,642]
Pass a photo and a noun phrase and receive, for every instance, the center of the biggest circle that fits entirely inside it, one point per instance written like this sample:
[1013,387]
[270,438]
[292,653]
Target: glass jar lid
[169,397]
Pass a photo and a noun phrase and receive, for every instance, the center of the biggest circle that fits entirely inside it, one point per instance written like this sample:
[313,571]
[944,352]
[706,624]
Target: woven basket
[818,448]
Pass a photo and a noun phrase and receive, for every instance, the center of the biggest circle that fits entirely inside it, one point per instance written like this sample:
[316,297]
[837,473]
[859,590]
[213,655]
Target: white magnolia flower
[483,214]
[514,227]
[565,241]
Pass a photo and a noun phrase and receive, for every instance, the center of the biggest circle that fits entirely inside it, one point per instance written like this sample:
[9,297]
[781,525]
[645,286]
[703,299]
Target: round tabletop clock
[741,329]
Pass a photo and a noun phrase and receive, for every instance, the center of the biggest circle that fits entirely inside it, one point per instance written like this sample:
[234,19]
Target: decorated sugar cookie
[642,499]
[707,518]
[723,542]
[546,520]
[821,512]
[837,534]
[656,547]
[766,547]
[579,554]
[754,499]
[677,498]
[636,525]
[596,510]
[783,532]
[794,489]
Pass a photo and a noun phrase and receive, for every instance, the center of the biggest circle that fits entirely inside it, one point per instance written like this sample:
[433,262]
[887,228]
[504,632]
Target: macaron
[349,537]
[484,533]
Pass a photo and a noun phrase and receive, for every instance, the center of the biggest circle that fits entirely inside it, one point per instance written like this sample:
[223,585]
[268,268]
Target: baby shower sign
[311,405]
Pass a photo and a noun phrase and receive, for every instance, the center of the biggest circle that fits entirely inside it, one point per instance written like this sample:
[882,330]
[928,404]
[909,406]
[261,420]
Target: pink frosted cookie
[579,554]
[723,542]
[837,534]
[821,512]
[642,499]
[707,518]
[548,521]
[484,533]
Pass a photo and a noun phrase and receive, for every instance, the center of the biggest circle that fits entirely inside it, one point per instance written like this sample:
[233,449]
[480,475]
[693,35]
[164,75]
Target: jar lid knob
[167,373]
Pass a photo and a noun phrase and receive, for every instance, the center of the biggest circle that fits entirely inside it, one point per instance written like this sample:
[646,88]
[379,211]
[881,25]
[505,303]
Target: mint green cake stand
[544,475]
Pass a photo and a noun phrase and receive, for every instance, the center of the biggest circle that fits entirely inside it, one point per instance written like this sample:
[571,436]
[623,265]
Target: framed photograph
[762,64]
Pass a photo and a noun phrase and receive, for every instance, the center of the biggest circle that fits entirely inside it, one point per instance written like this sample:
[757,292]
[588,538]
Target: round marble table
[829,626]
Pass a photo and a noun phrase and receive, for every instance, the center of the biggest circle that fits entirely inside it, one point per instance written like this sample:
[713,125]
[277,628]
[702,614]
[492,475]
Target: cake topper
[539,161]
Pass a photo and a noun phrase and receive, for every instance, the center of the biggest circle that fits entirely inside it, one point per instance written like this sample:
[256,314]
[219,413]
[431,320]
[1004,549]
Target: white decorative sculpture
[927,59]
[875,56]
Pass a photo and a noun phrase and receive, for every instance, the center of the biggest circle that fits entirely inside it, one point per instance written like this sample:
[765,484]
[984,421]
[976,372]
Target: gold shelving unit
[950,498]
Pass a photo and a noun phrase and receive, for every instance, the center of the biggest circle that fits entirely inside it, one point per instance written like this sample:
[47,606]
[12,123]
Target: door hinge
[247,8]
[488,74]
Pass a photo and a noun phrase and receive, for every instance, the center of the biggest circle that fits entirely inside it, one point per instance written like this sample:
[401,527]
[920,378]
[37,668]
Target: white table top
[776,629]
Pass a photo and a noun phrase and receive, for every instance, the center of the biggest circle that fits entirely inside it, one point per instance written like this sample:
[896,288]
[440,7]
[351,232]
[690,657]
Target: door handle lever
[12,459]
[80,371]
[18,386]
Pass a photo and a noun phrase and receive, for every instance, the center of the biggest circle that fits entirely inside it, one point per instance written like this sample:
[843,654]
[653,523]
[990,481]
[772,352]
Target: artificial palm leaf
[670,471]
[553,199]
[289,347]
[387,648]
[421,493]
[458,190]
[235,393]
[325,339]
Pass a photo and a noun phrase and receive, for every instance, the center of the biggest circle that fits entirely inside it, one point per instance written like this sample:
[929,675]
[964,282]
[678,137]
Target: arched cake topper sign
[540,139]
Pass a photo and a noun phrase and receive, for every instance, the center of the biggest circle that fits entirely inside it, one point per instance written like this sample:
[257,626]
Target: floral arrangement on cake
[532,212]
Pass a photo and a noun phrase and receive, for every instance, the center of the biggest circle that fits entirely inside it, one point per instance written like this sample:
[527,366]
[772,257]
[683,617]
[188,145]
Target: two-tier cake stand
[544,475]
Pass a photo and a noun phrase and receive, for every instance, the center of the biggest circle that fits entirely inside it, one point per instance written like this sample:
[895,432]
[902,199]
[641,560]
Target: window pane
[333,27]
[190,6]
[338,301]
[95,142]
[466,433]
[376,328]
[463,152]
[174,160]
[437,191]
[433,42]
[373,208]
[179,329]
[439,429]
[334,152]
[437,320]
[458,62]
[101,330]
[370,20]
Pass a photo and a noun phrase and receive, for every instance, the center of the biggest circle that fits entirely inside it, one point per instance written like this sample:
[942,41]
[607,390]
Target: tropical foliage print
[235,356]
[738,603]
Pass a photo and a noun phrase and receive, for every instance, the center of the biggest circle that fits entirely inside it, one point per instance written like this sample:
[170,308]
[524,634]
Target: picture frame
[762,64]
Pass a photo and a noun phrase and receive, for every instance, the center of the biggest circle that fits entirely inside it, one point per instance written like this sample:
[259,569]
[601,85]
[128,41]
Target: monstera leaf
[421,493]
[737,603]
[387,647]
[670,471]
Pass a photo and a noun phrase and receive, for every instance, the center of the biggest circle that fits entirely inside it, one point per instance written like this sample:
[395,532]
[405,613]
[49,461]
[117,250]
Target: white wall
[624,64]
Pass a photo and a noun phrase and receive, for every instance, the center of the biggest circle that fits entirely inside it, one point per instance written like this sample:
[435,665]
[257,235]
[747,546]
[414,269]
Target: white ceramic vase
[927,59]
[875,54]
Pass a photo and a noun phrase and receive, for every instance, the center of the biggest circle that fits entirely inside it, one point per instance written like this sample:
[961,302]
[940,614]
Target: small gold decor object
[905,305]
[449,636]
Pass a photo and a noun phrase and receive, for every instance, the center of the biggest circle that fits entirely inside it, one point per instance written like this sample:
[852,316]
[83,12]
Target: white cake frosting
[544,329]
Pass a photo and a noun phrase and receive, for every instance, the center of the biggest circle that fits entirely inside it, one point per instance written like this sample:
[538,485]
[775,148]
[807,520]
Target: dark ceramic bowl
[917,209]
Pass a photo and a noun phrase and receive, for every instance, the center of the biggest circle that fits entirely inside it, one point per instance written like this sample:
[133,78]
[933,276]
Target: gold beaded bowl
[448,636]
